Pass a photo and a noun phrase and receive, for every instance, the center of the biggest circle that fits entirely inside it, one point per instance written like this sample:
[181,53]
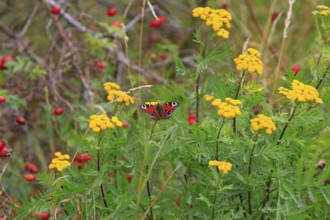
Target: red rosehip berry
[20,120]
[42,215]
[296,69]
[55,10]
[58,111]
[154,23]
[163,56]
[31,168]
[225,6]
[81,166]
[112,11]
[116,24]
[275,14]
[100,64]
[129,177]
[2,144]
[2,99]
[3,154]
[30,177]
[125,124]
[162,19]
[84,158]
[76,160]
[4,60]
[15,212]
[192,118]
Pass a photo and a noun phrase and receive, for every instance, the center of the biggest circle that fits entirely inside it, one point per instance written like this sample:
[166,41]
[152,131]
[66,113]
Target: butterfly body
[160,112]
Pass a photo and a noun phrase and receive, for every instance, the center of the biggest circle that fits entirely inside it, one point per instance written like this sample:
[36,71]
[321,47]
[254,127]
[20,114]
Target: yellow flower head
[208,97]
[301,92]
[114,92]
[250,62]
[322,10]
[60,161]
[223,166]
[103,122]
[263,122]
[217,18]
[227,109]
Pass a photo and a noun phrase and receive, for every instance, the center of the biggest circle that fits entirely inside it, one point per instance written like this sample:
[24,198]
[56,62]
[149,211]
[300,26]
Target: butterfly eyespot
[152,114]
[168,113]
[174,104]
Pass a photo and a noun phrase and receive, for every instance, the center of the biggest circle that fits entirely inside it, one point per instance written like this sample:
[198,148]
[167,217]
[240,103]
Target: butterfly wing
[167,109]
[152,111]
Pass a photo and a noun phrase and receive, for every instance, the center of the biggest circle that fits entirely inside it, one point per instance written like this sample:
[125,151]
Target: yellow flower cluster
[263,122]
[60,161]
[217,18]
[226,109]
[250,62]
[301,92]
[114,92]
[222,165]
[324,10]
[103,122]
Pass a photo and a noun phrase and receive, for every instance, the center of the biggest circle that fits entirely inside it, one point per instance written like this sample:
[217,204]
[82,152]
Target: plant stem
[269,182]
[236,95]
[149,193]
[217,143]
[287,124]
[249,173]
[148,185]
[323,77]
[197,98]
[214,201]
[98,169]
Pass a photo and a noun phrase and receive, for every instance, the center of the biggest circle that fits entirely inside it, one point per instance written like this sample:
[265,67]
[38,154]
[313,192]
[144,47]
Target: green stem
[236,95]
[249,173]
[98,169]
[217,143]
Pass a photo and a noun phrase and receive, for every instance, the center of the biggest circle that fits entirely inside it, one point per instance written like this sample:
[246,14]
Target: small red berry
[4,60]
[42,215]
[225,6]
[84,158]
[30,177]
[75,160]
[2,144]
[58,111]
[154,23]
[275,14]
[81,166]
[112,11]
[15,212]
[296,69]
[116,24]
[2,99]
[100,64]
[31,168]
[192,118]
[3,154]
[129,177]
[125,124]
[20,120]
[163,56]
[55,10]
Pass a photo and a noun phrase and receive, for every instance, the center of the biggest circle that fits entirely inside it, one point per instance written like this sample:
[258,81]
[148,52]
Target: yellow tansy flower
[301,92]
[223,166]
[228,108]
[217,18]
[103,122]
[263,122]
[60,161]
[250,62]
[323,10]
[114,92]
[208,97]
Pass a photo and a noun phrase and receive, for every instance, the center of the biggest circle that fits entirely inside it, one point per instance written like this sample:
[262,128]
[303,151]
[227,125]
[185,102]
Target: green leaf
[204,199]
[326,195]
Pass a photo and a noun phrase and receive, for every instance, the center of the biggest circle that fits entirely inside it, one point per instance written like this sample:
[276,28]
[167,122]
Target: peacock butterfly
[160,112]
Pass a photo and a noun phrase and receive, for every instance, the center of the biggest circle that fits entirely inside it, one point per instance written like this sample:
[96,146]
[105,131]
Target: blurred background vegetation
[55,62]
